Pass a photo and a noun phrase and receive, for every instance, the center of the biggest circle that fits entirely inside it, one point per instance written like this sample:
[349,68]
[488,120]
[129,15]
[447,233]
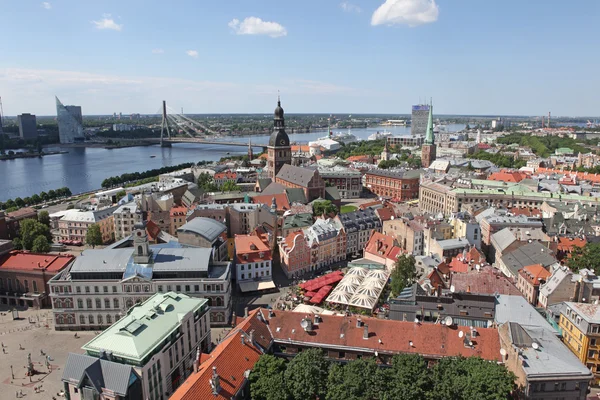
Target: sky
[472,57]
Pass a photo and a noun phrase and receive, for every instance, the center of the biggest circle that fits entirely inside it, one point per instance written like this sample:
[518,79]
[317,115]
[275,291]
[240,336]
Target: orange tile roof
[231,358]
[252,246]
[25,212]
[384,336]
[281,199]
[25,261]
[364,158]
[535,274]
[152,229]
[385,214]
[568,244]
[225,175]
[580,175]
[507,176]
[465,262]
[529,212]
[304,148]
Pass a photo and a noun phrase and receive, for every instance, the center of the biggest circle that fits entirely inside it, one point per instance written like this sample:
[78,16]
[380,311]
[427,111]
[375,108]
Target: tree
[29,230]
[385,164]
[19,202]
[408,378]
[266,379]
[44,217]
[17,243]
[230,186]
[359,379]
[35,199]
[44,196]
[404,273]
[27,200]
[121,194]
[324,207]
[93,237]
[51,194]
[207,183]
[471,378]
[40,245]
[587,256]
[306,375]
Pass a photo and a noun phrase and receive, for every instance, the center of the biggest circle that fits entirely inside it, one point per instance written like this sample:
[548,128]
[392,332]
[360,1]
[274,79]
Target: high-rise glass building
[418,123]
[27,126]
[70,123]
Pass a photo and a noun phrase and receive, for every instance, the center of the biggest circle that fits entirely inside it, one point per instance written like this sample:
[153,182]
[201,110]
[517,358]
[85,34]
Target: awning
[254,286]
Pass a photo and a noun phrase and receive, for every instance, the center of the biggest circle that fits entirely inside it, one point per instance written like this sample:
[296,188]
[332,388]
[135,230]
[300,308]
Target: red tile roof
[384,336]
[464,262]
[248,248]
[507,176]
[283,203]
[152,229]
[486,281]
[580,175]
[365,158]
[21,213]
[535,274]
[25,261]
[383,246]
[529,212]
[385,214]
[178,210]
[226,175]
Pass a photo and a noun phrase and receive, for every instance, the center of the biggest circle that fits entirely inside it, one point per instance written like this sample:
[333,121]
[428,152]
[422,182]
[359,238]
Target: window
[129,303]
[187,288]
[342,354]
[88,303]
[114,288]
[136,288]
[592,342]
[98,303]
[168,288]
[79,303]
[26,282]
[96,289]
[91,319]
[106,303]
[178,288]
[82,320]
[87,289]
[196,288]
[115,303]
[99,319]
[77,289]
[105,289]
[563,386]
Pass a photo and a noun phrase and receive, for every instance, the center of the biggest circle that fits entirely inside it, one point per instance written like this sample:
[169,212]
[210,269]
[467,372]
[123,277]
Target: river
[83,169]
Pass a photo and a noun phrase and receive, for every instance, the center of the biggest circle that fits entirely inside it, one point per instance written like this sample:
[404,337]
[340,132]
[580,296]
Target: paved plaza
[33,334]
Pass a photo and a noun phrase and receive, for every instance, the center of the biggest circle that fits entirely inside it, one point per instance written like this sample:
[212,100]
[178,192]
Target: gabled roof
[531,253]
[232,360]
[208,228]
[281,200]
[535,274]
[485,281]
[383,246]
[296,175]
[103,374]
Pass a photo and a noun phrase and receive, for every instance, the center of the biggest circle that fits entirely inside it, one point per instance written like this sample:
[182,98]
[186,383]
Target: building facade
[102,284]
[347,181]
[253,259]
[358,226]
[125,217]
[160,338]
[279,151]
[27,126]
[419,117]
[529,281]
[309,180]
[396,184]
[295,254]
[75,224]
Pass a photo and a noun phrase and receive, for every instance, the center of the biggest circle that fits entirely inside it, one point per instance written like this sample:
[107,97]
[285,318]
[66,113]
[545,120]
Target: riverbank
[30,155]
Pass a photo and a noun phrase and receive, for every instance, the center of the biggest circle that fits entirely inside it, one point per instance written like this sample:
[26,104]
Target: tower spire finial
[278,97]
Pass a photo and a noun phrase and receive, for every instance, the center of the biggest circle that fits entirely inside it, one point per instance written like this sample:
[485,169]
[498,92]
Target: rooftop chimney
[251,337]
[233,320]
[197,360]
[317,320]
[271,313]
[245,312]
[366,332]
[243,339]
[214,382]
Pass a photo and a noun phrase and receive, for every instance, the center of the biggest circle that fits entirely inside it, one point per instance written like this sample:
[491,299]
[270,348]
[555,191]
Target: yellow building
[580,325]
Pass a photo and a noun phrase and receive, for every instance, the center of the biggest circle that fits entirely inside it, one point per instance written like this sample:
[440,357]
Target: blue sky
[471,56]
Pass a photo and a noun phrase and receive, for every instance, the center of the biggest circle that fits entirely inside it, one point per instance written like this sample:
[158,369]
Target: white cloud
[350,8]
[192,53]
[46,5]
[407,12]
[107,23]
[256,26]
[157,51]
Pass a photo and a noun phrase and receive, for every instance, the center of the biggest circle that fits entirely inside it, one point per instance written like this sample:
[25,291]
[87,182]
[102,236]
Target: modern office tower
[70,123]
[27,126]
[420,114]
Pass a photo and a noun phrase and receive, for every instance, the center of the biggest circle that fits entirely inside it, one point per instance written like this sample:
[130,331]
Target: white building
[253,259]
[102,284]
[161,338]
[122,127]
[125,217]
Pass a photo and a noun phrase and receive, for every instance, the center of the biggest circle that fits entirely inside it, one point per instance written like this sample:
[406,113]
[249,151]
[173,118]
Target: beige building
[244,218]
[408,234]
[125,217]
[75,223]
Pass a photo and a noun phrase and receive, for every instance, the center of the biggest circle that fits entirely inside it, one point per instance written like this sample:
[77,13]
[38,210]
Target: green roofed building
[160,338]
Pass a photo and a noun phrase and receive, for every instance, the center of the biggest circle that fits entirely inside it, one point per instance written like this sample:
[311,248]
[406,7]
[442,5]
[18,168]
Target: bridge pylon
[164,125]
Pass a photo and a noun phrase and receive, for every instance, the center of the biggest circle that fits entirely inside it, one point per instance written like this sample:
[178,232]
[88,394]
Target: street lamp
[11,372]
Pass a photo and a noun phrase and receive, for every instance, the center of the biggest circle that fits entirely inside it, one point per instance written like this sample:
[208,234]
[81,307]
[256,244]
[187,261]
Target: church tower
[385,154]
[141,246]
[279,151]
[428,149]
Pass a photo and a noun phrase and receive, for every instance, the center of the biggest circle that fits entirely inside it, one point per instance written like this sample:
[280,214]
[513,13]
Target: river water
[83,169]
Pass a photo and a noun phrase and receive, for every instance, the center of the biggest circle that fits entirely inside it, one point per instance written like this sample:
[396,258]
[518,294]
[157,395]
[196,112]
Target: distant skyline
[472,57]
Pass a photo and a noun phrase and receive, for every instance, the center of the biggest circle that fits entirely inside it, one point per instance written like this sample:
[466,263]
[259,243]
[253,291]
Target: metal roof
[106,374]
[206,227]
[145,327]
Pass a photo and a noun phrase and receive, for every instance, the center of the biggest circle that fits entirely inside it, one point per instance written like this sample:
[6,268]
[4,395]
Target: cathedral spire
[429,137]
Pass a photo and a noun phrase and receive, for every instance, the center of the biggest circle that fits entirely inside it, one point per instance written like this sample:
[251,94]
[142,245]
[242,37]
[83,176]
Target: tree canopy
[40,245]
[587,256]
[30,230]
[93,237]
[324,207]
[310,376]
[404,273]
[44,218]
[207,183]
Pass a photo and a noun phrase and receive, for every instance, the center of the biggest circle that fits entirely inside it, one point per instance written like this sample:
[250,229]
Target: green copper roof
[145,327]
[429,138]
